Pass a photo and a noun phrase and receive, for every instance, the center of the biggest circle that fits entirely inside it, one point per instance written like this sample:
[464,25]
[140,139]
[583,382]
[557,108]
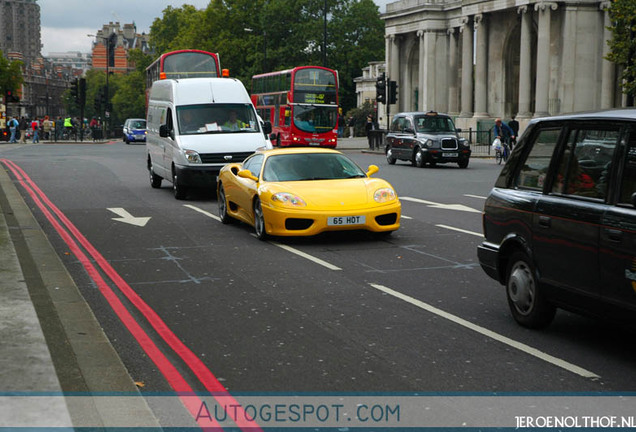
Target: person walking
[341,125]
[352,126]
[368,127]
[23,129]
[514,125]
[35,126]
[46,128]
[13,128]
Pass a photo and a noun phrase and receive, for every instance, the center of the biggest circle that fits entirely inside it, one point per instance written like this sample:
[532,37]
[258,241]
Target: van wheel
[180,191]
[526,298]
[223,214]
[155,180]
[259,221]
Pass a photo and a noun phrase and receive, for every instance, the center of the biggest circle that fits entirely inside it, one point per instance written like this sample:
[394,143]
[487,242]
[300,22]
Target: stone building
[480,59]
[20,28]
[124,39]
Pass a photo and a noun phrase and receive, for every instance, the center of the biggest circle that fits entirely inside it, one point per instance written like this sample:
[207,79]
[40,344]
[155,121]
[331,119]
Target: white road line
[405,217]
[282,246]
[208,214]
[488,333]
[475,196]
[306,256]
[460,230]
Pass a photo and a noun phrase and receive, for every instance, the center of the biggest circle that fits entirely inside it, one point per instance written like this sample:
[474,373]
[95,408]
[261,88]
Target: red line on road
[176,381]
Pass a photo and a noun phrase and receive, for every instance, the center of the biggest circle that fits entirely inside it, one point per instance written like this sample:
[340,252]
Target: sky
[66,23]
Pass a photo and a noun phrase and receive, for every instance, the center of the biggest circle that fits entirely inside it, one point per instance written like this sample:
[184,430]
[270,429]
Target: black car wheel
[225,217]
[389,156]
[463,163]
[419,158]
[180,191]
[526,298]
[155,180]
[259,221]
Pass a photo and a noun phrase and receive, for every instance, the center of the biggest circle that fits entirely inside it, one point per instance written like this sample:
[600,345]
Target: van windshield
[216,118]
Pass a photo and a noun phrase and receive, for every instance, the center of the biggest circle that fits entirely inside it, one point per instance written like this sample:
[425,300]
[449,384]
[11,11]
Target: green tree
[10,74]
[623,43]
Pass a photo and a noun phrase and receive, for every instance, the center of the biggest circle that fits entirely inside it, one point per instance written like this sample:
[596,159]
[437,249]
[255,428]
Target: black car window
[628,179]
[584,167]
[254,164]
[534,168]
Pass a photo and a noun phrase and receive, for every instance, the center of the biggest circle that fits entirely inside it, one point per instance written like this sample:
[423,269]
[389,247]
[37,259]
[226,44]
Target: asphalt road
[344,312]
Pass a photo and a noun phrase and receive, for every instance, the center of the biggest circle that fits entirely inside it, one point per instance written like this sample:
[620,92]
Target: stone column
[543,58]
[421,99]
[609,68]
[467,68]
[394,71]
[525,64]
[453,101]
[481,68]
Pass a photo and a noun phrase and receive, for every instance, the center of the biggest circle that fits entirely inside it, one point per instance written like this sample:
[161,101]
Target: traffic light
[10,97]
[75,91]
[380,88]
[392,92]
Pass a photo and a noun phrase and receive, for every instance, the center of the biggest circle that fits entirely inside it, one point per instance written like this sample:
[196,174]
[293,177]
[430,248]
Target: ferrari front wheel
[223,214]
[259,221]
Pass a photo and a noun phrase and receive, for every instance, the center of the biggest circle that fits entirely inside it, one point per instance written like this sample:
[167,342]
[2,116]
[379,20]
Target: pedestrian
[35,126]
[13,128]
[368,127]
[59,128]
[514,125]
[341,125]
[23,129]
[46,128]
[352,126]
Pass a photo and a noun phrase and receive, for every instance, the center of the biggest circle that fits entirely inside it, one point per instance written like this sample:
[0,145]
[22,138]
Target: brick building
[118,40]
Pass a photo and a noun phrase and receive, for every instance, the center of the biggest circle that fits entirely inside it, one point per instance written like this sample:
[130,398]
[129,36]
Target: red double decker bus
[301,103]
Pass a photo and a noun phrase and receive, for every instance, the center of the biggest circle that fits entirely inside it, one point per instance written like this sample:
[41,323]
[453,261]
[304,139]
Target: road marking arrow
[126,217]
[458,207]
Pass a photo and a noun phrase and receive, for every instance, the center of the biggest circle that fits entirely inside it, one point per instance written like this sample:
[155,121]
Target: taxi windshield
[434,124]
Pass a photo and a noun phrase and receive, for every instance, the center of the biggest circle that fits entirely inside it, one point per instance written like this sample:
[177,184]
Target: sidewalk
[50,341]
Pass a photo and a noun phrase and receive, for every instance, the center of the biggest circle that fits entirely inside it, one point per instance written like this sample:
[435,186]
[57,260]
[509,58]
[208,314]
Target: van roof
[190,91]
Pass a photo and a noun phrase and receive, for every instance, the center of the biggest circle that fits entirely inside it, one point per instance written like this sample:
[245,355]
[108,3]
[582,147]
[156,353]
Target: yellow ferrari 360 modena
[305,191]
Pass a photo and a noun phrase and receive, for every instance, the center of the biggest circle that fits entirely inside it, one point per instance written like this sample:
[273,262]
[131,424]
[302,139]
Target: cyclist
[505,134]
[68,125]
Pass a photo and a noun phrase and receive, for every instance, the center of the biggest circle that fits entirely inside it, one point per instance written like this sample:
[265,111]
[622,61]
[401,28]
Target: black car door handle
[614,235]
[545,222]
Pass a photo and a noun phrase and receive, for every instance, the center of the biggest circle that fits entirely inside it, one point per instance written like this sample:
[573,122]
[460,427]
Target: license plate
[451,155]
[345,220]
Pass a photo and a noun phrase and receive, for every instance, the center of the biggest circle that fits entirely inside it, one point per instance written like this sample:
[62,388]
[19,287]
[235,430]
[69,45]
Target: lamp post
[250,30]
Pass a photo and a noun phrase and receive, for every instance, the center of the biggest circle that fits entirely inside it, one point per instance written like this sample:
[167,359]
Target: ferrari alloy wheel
[225,217]
[526,298]
[259,221]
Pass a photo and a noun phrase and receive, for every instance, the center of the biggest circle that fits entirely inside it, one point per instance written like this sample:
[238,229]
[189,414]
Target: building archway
[512,71]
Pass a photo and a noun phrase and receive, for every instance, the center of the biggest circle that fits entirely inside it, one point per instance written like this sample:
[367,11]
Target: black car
[560,223]
[425,137]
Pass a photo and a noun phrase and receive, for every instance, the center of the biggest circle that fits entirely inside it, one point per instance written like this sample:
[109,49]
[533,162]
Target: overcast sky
[65,24]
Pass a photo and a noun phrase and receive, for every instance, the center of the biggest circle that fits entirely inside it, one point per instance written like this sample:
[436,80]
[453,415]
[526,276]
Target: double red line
[72,236]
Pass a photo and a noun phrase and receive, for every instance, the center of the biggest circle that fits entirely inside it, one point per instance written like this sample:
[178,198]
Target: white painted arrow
[126,217]
[458,207]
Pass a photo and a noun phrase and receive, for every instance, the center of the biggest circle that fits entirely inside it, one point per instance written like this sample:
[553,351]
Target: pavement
[50,341]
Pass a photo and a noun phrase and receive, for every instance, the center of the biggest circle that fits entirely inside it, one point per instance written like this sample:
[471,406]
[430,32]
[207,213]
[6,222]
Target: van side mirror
[458,130]
[267,128]
[163,131]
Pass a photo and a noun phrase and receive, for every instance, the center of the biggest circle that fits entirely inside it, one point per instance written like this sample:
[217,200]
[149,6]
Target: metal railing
[479,140]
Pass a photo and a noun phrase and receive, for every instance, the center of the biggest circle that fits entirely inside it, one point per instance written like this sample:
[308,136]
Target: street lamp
[250,30]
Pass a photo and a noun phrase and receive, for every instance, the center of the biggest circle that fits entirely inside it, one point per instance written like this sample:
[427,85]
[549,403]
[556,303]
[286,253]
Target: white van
[197,125]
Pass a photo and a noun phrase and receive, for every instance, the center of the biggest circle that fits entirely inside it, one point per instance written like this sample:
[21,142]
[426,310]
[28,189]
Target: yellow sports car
[305,191]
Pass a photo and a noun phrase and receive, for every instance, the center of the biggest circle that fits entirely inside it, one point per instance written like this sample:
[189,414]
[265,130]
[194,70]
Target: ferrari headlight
[288,199]
[384,195]
[192,156]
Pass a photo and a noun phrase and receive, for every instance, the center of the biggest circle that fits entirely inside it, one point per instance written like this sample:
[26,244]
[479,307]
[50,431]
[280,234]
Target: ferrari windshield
[216,118]
[310,166]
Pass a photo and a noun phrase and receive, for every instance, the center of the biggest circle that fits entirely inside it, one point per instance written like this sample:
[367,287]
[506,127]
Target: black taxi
[425,138]
[560,223]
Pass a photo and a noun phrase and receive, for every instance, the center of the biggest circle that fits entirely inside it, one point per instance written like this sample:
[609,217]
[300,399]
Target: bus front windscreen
[190,65]
[315,86]
[315,119]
